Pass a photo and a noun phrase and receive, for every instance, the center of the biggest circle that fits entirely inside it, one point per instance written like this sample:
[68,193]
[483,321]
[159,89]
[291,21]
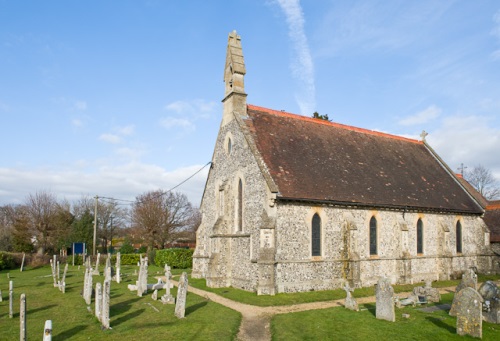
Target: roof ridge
[333,124]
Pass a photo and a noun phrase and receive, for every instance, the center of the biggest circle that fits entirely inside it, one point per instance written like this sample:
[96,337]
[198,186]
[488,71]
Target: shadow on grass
[69,333]
[439,323]
[127,317]
[371,308]
[32,311]
[193,308]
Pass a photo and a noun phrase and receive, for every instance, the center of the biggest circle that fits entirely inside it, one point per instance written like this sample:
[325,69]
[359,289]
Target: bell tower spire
[234,71]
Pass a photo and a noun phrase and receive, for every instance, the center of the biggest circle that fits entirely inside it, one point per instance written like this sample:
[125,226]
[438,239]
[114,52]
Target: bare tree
[110,216]
[41,208]
[158,216]
[483,181]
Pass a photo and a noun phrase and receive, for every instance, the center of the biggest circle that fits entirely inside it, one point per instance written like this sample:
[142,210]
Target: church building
[295,204]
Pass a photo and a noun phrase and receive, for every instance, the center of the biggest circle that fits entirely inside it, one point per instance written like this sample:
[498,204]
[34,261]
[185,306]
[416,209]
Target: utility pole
[95,225]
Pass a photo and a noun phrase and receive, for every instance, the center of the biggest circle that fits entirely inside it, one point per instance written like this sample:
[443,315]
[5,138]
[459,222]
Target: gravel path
[255,323]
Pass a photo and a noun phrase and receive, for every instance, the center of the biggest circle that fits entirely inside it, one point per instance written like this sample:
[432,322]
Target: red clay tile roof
[492,220]
[317,160]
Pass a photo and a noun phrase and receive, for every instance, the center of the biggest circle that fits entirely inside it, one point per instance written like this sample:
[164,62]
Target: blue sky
[116,98]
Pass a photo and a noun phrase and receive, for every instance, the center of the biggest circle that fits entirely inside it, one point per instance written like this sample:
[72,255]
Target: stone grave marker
[350,303]
[431,294]
[167,298]
[384,294]
[180,302]
[62,282]
[491,301]
[22,318]
[22,263]
[154,296]
[106,293]
[47,331]
[469,280]
[118,268]
[468,306]
[96,269]
[53,268]
[11,299]
[98,300]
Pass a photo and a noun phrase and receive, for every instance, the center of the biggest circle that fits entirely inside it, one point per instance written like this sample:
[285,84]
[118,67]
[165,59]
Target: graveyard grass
[131,317]
[341,324]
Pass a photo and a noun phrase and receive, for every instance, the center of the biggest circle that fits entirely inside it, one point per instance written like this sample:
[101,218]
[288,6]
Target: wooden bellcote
[234,71]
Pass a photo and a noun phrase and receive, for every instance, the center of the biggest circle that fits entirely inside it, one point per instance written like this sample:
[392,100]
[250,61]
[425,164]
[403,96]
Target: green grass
[342,324]
[131,317]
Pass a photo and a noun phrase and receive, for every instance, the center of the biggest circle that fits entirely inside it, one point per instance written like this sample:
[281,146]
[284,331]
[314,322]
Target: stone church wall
[345,247]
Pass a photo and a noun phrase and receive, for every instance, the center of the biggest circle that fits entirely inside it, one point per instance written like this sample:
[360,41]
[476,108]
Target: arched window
[229,146]
[420,236]
[240,206]
[459,236]
[373,236]
[316,235]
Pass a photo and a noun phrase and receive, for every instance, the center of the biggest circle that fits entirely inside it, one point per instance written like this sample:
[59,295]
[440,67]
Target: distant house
[492,220]
[294,204]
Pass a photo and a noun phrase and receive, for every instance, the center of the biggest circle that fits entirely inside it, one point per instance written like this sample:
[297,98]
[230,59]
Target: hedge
[175,258]
[6,261]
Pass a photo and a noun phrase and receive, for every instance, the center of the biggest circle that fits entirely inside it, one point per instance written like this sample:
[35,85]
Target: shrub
[175,258]
[127,247]
[129,258]
[6,261]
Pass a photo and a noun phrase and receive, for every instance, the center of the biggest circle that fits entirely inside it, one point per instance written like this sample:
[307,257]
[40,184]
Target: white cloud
[80,105]
[124,181]
[126,130]
[194,108]
[171,122]
[110,138]
[422,117]
[302,65]
[471,140]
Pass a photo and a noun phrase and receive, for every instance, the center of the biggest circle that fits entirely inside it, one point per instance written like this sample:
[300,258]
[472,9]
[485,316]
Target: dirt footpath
[256,321]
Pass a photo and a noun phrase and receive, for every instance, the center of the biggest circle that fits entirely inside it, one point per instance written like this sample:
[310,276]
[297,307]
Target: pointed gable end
[316,160]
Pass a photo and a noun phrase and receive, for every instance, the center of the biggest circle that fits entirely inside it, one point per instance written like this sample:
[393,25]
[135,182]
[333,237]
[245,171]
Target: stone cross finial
[423,135]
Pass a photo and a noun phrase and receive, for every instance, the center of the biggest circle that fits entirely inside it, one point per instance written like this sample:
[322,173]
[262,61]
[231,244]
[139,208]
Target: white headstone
[47,331]
[180,302]
[22,318]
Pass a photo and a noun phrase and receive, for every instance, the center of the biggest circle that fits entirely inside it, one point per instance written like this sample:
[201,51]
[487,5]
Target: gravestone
[1,299]
[180,302]
[491,302]
[62,282]
[53,268]
[98,300]
[142,282]
[22,318]
[167,298]
[431,294]
[118,268]
[11,299]
[469,280]
[58,272]
[88,287]
[22,263]
[96,269]
[384,294]
[154,296]
[468,307]
[106,291]
[47,331]
[350,303]
[108,273]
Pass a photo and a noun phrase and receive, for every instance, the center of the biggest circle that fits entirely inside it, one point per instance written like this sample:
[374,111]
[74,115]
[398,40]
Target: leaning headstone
[62,282]
[180,302]
[22,318]
[98,300]
[469,280]
[469,311]
[11,299]
[167,298]
[106,291]
[96,269]
[154,296]
[22,263]
[47,331]
[384,294]
[350,303]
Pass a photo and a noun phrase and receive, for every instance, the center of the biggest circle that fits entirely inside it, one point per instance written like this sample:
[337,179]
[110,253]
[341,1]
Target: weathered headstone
[107,269]
[431,294]
[491,301]
[47,331]
[180,302]
[22,318]
[142,283]
[384,294]
[62,282]
[350,303]
[22,263]
[106,293]
[167,298]
[468,305]
[53,268]
[1,299]
[58,272]
[11,299]
[98,300]
[96,269]
[118,267]
[469,280]
[154,296]
[88,287]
